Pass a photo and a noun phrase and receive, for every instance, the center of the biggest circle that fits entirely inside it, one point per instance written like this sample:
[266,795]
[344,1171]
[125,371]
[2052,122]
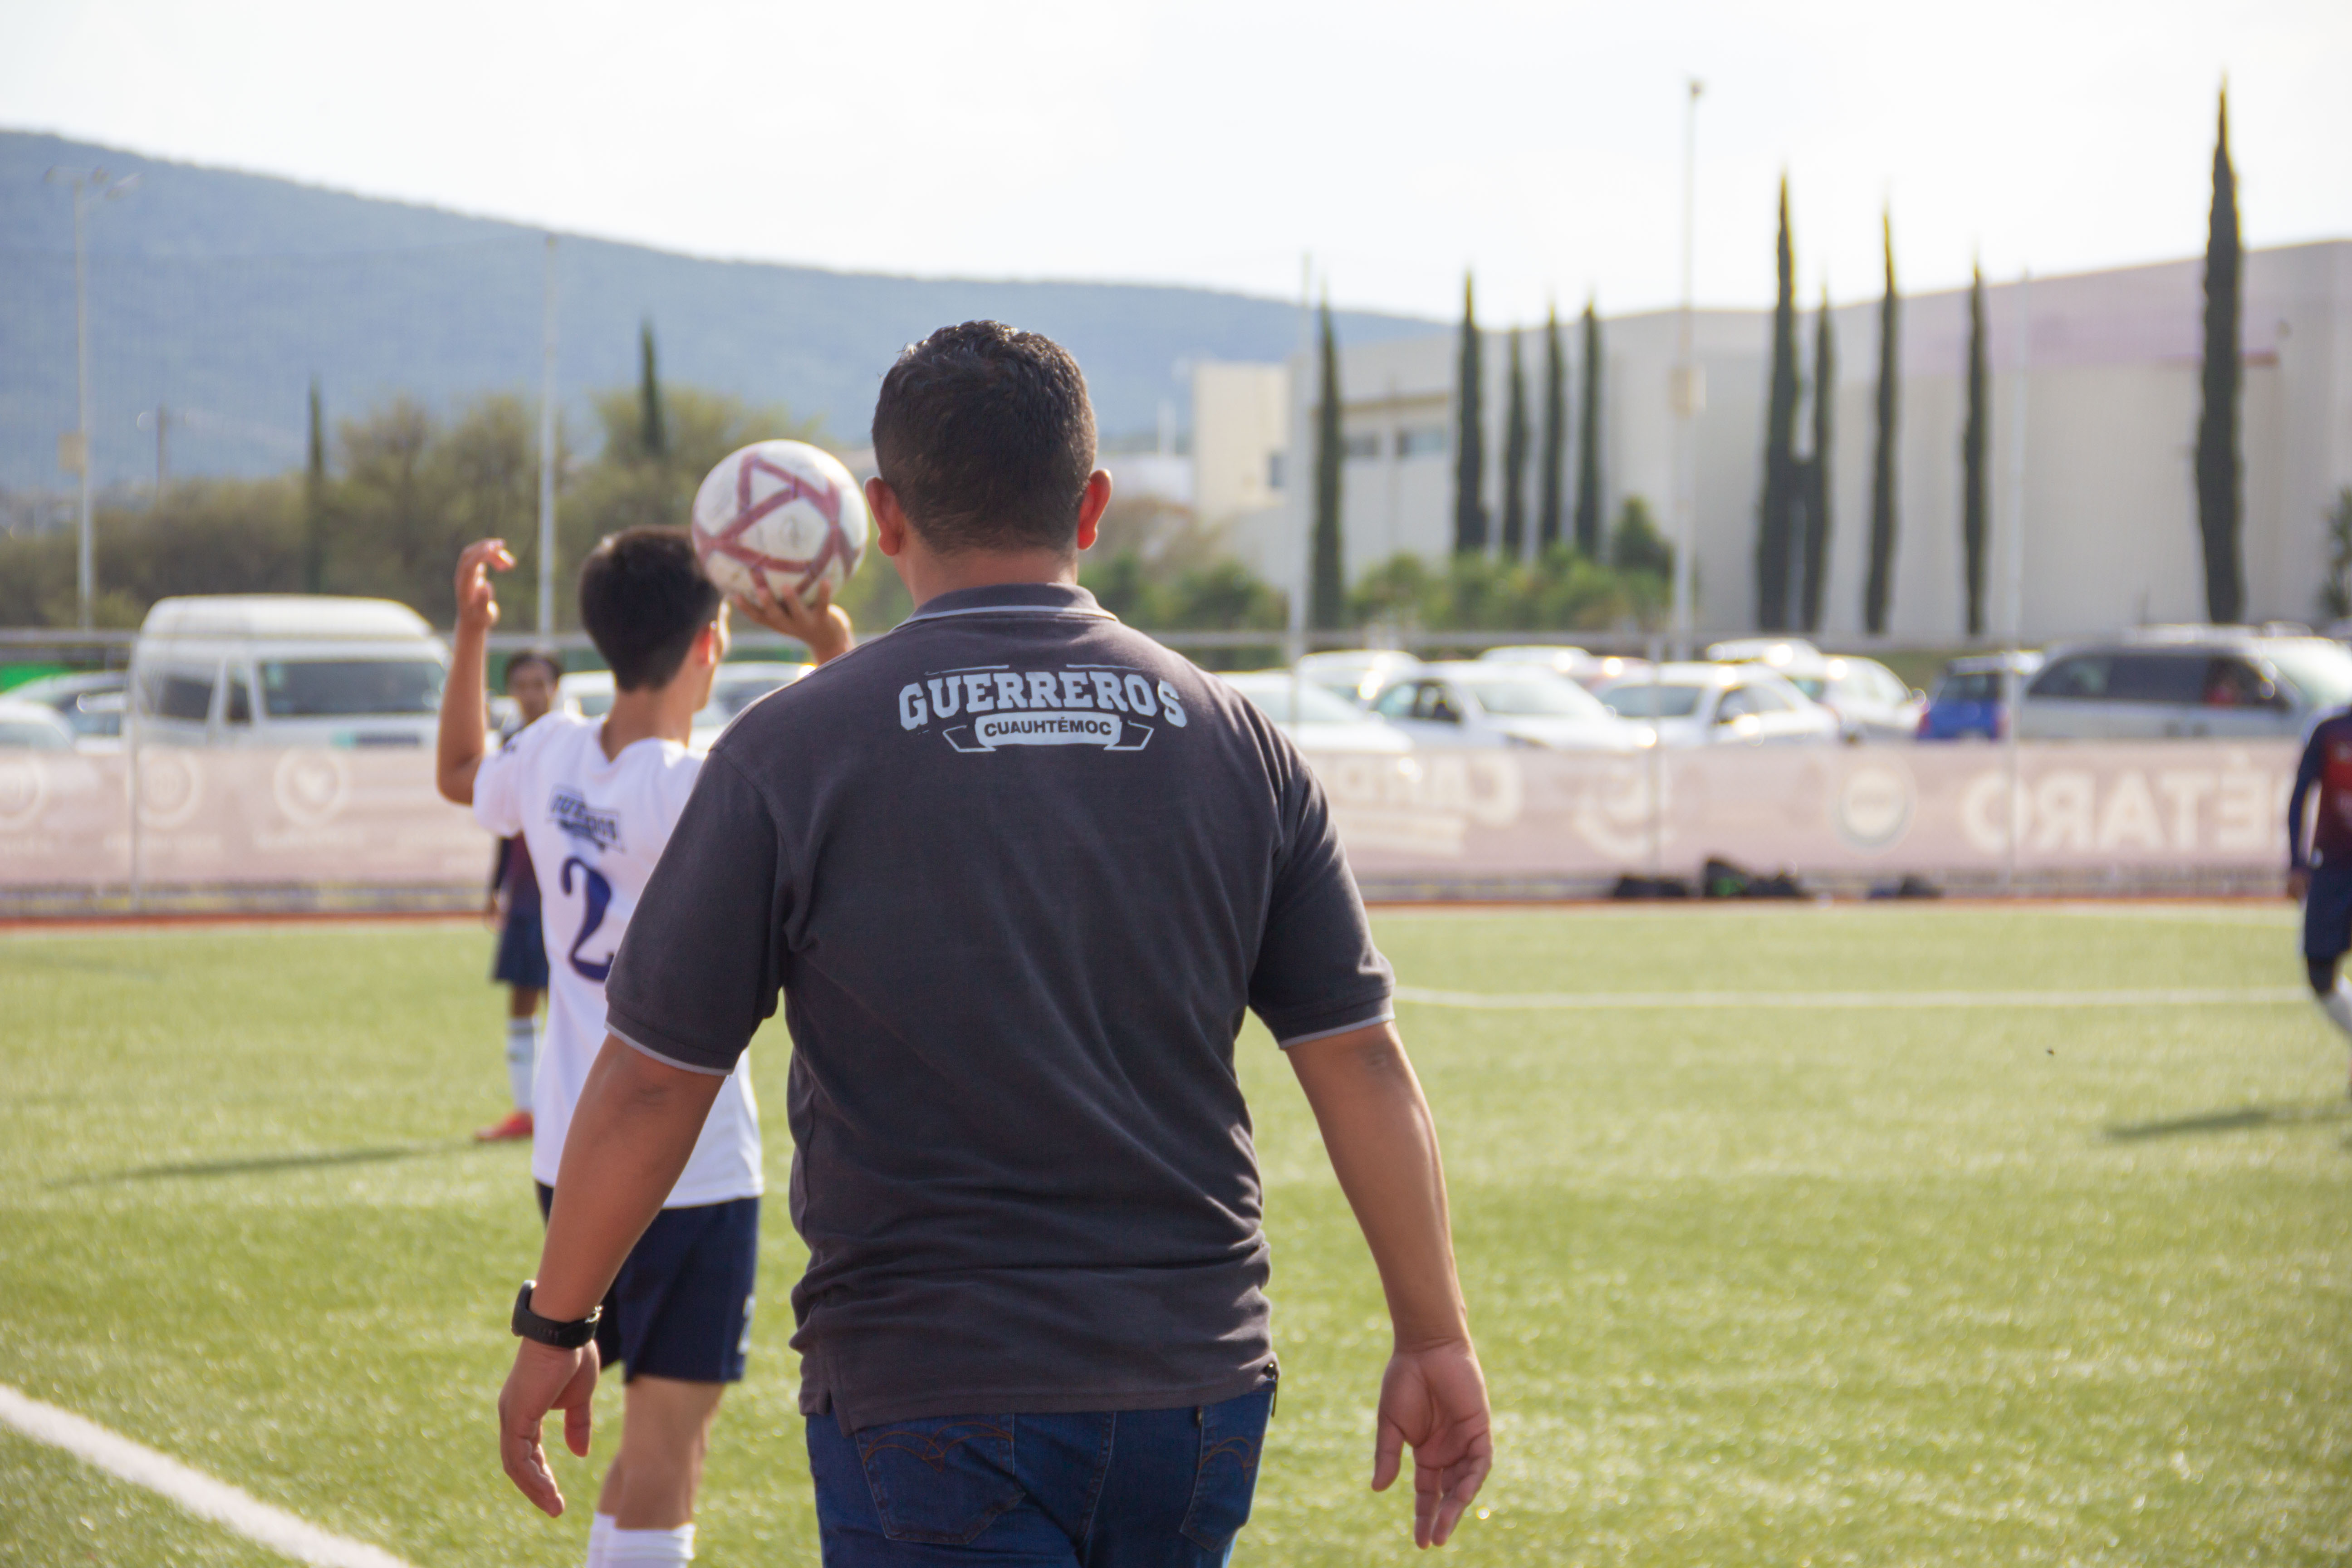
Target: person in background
[2321,876]
[514,908]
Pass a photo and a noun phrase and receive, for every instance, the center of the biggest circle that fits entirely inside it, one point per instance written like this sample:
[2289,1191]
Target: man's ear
[889,516]
[1092,506]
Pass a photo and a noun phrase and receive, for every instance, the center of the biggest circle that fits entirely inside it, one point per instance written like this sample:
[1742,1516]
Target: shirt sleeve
[1317,972]
[700,966]
[498,793]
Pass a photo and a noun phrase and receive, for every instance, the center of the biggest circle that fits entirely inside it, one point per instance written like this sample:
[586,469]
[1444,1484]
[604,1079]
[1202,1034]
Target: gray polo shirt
[1018,872]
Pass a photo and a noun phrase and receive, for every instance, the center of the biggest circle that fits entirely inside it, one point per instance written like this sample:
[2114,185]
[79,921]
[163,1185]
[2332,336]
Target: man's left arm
[632,1133]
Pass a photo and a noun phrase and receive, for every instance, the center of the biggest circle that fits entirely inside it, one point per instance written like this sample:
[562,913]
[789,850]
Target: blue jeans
[1126,1488]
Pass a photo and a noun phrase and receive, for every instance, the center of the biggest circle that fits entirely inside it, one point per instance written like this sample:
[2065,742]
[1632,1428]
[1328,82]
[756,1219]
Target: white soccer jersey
[596,826]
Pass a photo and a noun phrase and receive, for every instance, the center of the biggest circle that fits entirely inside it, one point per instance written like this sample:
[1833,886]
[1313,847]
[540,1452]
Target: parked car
[32,727]
[1720,704]
[1967,698]
[737,686]
[285,669]
[1474,702]
[1356,674]
[2186,682]
[1590,670]
[90,702]
[1313,718]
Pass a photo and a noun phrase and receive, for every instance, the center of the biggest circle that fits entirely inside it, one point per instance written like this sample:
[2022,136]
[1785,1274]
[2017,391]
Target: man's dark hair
[987,436]
[545,659]
[643,597]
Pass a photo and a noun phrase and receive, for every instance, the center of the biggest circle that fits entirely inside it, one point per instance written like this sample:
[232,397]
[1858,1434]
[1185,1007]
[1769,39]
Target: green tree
[653,433]
[1777,509]
[1588,441]
[2335,591]
[1818,467]
[1515,459]
[1555,436]
[1635,544]
[314,501]
[1328,603]
[1877,584]
[1972,458]
[1469,433]
[2217,467]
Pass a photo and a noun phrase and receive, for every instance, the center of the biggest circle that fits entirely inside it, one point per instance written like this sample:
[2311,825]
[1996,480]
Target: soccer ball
[778,515]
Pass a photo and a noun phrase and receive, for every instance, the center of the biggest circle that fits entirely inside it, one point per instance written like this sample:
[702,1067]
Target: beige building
[2109,371]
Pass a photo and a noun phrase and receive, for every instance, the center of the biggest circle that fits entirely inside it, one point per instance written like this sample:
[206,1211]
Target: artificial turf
[1782,1285]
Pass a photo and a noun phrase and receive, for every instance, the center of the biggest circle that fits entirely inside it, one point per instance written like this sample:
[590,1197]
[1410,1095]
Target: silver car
[2186,683]
[1721,704]
[1478,703]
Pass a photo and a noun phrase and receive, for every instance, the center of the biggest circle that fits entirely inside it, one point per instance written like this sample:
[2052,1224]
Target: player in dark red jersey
[2322,875]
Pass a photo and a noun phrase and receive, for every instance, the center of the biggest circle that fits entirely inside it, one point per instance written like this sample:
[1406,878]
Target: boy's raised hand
[477,601]
[820,623]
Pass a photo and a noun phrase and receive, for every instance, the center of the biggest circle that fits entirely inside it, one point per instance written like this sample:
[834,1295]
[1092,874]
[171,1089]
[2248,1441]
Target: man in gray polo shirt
[1018,872]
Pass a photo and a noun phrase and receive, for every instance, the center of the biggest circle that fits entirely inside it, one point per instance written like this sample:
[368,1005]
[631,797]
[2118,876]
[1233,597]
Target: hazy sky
[1213,141]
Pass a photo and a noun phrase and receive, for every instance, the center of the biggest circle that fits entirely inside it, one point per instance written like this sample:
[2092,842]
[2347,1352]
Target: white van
[286,669]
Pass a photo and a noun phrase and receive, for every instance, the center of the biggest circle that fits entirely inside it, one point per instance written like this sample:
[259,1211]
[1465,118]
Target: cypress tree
[1817,472]
[1881,462]
[1587,442]
[1555,436]
[1469,436]
[1973,459]
[1776,512]
[1515,460]
[2217,425]
[314,501]
[1326,603]
[652,433]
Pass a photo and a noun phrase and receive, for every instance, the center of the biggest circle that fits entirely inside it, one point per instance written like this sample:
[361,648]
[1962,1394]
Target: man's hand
[2298,884]
[544,1379]
[477,601]
[820,623]
[1435,1400]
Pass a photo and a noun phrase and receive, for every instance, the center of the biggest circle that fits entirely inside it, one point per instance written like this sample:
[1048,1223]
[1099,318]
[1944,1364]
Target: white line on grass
[1608,1001]
[192,1489]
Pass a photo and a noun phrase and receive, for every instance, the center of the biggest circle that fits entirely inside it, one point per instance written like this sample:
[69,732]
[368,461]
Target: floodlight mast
[1689,390]
[84,182]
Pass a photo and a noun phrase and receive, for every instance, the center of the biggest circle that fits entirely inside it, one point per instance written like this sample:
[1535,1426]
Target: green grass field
[1778,1287]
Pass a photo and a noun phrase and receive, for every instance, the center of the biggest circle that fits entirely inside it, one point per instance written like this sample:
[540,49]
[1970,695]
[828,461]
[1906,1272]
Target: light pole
[85,182]
[1689,390]
[547,449]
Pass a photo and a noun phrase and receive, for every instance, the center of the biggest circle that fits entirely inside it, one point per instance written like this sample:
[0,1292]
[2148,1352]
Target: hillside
[222,294]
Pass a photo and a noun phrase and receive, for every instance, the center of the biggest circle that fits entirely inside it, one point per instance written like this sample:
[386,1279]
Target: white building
[2110,504]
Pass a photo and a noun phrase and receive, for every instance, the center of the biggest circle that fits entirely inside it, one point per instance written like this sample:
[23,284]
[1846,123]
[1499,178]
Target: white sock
[522,1057]
[600,1538]
[648,1548]
[2337,1005]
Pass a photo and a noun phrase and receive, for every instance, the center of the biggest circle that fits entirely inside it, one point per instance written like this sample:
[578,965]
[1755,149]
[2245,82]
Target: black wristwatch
[529,1325]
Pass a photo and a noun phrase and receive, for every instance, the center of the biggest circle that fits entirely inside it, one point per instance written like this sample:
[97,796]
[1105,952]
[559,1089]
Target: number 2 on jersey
[596,896]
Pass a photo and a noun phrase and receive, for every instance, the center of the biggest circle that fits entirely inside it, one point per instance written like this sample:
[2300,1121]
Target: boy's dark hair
[644,597]
[546,660]
[987,438]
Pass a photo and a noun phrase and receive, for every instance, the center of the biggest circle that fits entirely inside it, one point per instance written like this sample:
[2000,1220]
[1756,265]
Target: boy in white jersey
[594,802]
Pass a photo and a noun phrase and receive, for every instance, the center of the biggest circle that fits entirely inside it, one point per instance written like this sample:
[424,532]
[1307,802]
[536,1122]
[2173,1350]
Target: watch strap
[563,1336]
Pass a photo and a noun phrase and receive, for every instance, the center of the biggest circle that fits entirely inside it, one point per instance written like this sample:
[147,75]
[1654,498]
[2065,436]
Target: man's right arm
[1382,1142]
[463,741]
[2306,779]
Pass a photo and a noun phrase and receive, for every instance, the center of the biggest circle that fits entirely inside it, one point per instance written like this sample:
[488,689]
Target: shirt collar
[1015,598]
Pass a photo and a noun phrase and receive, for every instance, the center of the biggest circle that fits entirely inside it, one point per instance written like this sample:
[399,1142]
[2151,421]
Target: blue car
[1966,701]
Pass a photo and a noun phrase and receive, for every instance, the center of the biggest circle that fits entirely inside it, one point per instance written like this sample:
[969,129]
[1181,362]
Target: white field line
[192,1489]
[1621,1000]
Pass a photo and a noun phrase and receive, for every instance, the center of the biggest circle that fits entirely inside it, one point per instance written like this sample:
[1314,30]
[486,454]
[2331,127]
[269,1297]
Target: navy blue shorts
[522,951]
[2327,914]
[682,1305]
